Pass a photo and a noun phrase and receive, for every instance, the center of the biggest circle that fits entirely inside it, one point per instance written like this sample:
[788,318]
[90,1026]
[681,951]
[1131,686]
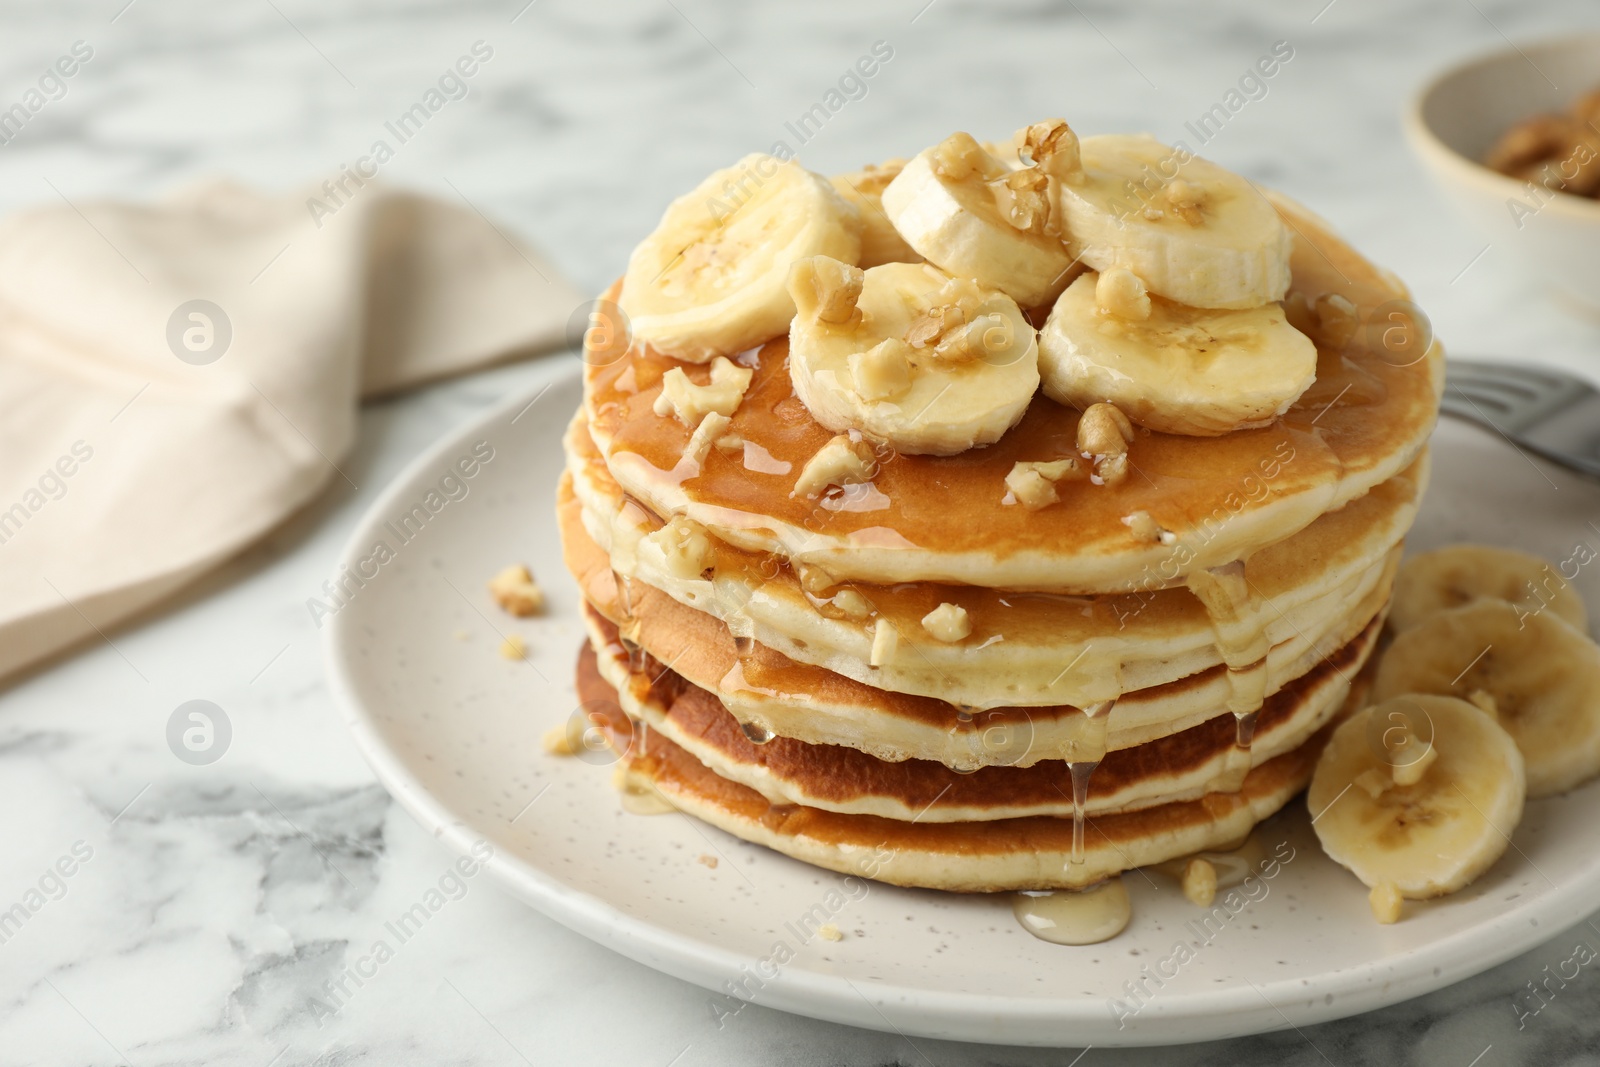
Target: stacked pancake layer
[759,657]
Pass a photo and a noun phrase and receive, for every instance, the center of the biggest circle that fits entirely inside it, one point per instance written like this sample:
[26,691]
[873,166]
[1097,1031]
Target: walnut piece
[1337,320]
[690,402]
[933,323]
[948,623]
[840,462]
[1052,147]
[516,592]
[710,429]
[1186,201]
[686,548]
[883,371]
[1104,431]
[1033,484]
[1122,293]
[826,290]
[852,603]
[1112,469]
[1023,197]
[885,643]
[1144,528]
[959,157]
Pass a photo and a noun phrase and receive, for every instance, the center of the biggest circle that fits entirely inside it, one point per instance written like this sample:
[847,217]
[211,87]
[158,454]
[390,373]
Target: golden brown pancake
[941,519]
[1008,854]
[1024,649]
[1180,766]
[809,703]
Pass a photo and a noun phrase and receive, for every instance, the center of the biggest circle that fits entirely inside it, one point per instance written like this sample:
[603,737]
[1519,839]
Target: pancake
[1180,766]
[762,686]
[940,519]
[1006,854]
[1020,643]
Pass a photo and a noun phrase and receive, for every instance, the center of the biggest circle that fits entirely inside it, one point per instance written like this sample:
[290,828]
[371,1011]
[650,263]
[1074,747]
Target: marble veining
[211,908]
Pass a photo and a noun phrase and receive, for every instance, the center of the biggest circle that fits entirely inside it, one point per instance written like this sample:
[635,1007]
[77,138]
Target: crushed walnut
[1144,528]
[516,592]
[948,623]
[691,403]
[959,157]
[1186,201]
[1104,431]
[826,290]
[1104,434]
[842,461]
[885,643]
[1560,152]
[1122,293]
[1052,147]
[883,371]
[852,603]
[1033,484]
[514,647]
[685,547]
[1024,200]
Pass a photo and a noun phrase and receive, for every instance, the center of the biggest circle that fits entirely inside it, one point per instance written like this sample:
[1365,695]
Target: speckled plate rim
[859,1001]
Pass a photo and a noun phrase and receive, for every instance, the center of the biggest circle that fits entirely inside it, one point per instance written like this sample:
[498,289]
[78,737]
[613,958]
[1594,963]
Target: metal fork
[1545,410]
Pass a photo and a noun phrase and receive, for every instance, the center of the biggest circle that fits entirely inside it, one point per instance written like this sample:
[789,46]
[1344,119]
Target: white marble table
[216,900]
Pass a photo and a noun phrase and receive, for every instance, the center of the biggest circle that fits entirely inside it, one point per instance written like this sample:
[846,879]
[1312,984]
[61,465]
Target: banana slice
[711,279]
[1431,837]
[1175,369]
[967,212]
[1538,676]
[1450,577]
[1196,233]
[880,241]
[909,356]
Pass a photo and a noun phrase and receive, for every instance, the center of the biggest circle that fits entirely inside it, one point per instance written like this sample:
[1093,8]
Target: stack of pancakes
[1121,699]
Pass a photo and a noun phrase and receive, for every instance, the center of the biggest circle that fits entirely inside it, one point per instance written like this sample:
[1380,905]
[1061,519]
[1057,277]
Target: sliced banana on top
[1437,834]
[880,241]
[1535,674]
[967,212]
[909,355]
[712,278]
[1196,233]
[1169,367]
[1456,575]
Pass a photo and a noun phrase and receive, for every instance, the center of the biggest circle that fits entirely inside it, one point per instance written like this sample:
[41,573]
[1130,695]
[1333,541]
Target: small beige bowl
[1459,115]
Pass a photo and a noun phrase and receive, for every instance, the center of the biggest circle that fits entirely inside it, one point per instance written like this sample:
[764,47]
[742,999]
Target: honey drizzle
[1084,755]
[1239,621]
[1084,916]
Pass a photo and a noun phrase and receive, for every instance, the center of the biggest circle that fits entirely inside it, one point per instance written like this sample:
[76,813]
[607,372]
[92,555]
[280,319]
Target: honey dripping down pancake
[1001,524]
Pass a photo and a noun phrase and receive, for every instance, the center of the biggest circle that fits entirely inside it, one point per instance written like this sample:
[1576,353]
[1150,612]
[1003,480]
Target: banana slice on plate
[880,241]
[909,355]
[1534,674]
[1170,367]
[1450,577]
[1436,834]
[712,278]
[967,212]
[1196,233]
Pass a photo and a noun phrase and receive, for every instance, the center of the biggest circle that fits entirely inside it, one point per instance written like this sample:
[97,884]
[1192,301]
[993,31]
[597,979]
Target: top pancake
[930,518]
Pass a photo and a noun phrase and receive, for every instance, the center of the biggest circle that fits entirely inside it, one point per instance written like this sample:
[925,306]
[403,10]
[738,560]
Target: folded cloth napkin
[179,377]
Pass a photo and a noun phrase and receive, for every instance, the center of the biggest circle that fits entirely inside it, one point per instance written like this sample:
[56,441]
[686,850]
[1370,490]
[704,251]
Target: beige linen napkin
[145,437]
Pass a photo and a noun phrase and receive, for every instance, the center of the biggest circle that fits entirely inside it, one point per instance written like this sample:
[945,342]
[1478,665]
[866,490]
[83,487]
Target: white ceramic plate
[453,730]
